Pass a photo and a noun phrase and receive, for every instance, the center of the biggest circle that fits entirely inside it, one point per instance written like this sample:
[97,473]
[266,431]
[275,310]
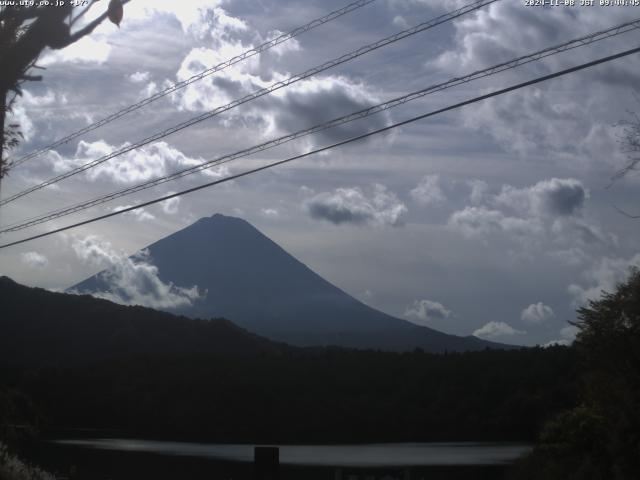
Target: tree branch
[87,29]
[82,13]
[629,139]
[626,214]
[31,78]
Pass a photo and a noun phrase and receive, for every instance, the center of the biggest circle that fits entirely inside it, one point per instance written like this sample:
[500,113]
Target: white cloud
[428,191]
[227,22]
[567,336]
[29,105]
[193,15]
[554,197]
[48,99]
[537,313]
[34,114]
[171,206]
[140,214]
[569,333]
[139,77]
[314,101]
[220,88]
[400,22]
[472,221]
[18,115]
[132,280]
[554,119]
[479,191]
[145,163]
[305,191]
[149,90]
[549,215]
[572,256]
[284,48]
[602,276]
[272,213]
[497,330]
[554,343]
[352,205]
[34,259]
[300,105]
[90,49]
[425,311]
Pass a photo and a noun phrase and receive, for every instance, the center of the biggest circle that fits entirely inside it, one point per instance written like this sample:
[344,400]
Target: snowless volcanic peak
[247,278]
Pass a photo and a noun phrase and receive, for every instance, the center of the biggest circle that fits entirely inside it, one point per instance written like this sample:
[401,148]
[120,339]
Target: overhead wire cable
[334,145]
[197,77]
[259,93]
[501,67]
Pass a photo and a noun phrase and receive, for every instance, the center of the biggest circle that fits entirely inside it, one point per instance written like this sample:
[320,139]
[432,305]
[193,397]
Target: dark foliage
[324,396]
[599,439]
[19,417]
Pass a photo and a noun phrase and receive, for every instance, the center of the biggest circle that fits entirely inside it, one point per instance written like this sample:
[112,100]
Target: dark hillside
[38,327]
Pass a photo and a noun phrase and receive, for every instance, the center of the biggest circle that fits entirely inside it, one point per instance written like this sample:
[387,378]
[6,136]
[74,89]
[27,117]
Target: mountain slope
[258,285]
[38,327]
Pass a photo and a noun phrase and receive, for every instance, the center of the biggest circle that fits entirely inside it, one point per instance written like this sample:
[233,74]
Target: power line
[337,144]
[259,93]
[501,67]
[210,71]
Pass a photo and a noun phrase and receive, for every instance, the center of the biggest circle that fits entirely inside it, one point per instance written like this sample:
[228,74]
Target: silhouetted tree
[25,31]
[630,143]
[599,439]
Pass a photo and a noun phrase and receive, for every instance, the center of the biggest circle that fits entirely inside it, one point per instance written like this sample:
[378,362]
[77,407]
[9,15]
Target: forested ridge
[89,363]
[324,395]
[43,328]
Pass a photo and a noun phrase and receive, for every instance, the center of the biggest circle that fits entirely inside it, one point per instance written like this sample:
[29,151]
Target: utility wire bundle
[361,114]
[259,93]
[516,62]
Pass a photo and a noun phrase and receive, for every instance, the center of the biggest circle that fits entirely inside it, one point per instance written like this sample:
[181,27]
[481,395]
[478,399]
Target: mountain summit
[252,281]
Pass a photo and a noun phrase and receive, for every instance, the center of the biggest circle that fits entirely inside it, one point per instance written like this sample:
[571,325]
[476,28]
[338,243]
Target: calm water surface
[374,455]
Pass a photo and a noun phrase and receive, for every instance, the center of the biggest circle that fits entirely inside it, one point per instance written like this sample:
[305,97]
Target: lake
[124,459]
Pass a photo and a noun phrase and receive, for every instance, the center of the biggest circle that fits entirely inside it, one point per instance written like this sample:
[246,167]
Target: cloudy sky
[493,220]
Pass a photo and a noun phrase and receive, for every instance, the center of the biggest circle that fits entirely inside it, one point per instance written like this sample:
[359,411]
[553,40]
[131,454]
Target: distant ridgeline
[256,284]
[90,363]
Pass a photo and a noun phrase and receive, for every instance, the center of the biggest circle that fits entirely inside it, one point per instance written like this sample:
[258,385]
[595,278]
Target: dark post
[266,463]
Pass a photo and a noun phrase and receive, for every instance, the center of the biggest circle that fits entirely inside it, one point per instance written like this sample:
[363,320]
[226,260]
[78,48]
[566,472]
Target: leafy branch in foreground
[25,32]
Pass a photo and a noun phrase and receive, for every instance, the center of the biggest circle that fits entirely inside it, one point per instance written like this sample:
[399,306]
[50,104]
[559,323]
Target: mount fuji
[250,280]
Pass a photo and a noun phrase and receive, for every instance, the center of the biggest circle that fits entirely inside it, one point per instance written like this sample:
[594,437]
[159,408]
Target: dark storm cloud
[337,213]
[301,109]
[353,206]
[562,196]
